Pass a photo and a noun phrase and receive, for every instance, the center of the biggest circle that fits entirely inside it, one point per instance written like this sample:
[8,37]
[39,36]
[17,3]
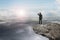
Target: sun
[21,14]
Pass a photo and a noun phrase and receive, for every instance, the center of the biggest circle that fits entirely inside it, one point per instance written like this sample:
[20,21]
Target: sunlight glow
[21,14]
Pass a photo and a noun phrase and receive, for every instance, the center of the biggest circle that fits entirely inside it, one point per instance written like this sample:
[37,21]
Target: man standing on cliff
[40,18]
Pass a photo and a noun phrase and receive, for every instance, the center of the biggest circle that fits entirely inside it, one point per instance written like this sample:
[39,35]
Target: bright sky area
[29,8]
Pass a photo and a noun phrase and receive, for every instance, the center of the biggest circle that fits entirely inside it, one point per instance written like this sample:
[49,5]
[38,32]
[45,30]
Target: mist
[17,31]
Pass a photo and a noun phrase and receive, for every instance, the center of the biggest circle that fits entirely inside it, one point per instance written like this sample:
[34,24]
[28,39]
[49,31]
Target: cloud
[16,14]
[6,14]
[55,12]
[58,1]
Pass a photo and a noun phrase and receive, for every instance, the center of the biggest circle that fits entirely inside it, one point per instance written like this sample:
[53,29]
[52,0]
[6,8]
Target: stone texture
[51,31]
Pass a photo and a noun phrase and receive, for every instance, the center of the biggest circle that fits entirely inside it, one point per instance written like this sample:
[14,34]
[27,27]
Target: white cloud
[18,14]
[6,14]
[55,12]
[58,1]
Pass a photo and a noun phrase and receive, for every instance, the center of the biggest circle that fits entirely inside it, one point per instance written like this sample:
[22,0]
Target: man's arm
[38,14]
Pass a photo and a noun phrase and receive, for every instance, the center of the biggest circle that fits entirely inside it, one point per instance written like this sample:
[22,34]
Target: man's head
[39,13]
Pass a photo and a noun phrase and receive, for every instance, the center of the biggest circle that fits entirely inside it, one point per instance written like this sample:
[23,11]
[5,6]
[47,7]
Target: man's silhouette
[40,18]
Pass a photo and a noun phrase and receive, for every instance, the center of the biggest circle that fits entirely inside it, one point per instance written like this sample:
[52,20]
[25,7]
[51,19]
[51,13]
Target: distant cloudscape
[29,8]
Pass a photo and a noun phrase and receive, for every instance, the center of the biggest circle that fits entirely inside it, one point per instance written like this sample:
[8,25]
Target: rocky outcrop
[51,31]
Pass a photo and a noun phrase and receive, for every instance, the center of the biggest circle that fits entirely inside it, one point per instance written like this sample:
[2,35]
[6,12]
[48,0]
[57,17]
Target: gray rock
[51,31]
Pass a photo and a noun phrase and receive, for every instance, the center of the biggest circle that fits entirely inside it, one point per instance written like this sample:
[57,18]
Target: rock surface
[51,31]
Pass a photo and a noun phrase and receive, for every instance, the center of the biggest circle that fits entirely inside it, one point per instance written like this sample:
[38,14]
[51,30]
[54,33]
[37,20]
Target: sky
[12,8]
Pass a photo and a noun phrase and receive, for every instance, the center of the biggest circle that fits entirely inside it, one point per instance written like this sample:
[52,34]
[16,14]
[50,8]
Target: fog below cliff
[18,31]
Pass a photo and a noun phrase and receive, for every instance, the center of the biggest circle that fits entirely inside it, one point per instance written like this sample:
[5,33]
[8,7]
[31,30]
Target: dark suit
[40,18]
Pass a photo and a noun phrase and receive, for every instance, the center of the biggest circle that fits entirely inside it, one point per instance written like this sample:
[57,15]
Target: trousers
[40,21]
